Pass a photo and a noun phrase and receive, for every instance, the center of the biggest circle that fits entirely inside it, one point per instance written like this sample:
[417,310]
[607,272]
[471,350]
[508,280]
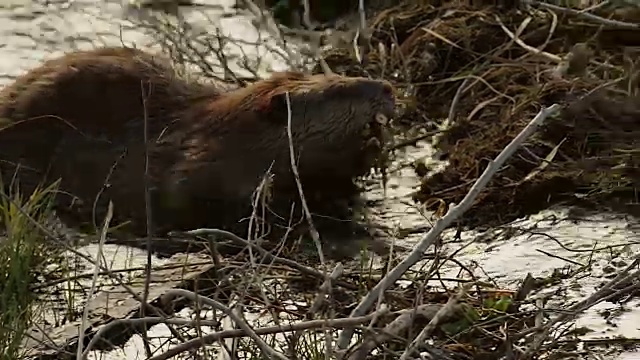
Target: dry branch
[306,325]
[455,211]
[96,271]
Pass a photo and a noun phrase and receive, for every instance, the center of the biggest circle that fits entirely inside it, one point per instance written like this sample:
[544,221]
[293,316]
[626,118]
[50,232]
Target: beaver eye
[275,106]
[387,89]
[279,101]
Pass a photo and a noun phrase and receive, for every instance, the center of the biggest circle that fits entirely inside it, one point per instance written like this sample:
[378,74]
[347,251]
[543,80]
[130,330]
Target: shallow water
[35,31]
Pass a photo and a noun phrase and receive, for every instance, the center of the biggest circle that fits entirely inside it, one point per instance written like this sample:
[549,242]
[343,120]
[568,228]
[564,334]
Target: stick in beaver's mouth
[382,119]
[375,131]
[377,134]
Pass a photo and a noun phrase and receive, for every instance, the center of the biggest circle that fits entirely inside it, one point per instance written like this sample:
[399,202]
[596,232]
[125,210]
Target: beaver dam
[503,220]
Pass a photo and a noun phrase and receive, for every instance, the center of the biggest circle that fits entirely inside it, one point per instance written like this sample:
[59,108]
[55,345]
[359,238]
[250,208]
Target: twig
[455,211]
[94,282]
[560,258]
[266,349]
[231,346]
[531,49]
[294,168]
[148,211]
[260,198]
[394,328]
[595,18]
[270,257]
[306,16]
[583,305]
[325,288]
[456,99]
[312,229]
[444,312]
[551,57]
[185,48]
[306,325]
[306,20]
[362,31]
[293,60]
[411,141]
[147,321]
[105,186]
[624,291]
[363,17]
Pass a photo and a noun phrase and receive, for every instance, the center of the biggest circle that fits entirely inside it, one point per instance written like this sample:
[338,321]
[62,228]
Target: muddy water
[33,31]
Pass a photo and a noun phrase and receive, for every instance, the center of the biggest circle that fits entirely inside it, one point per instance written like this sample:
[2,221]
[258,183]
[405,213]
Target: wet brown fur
[81,117]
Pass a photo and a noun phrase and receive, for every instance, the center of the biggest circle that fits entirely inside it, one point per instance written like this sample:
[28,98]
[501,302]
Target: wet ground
[33,31]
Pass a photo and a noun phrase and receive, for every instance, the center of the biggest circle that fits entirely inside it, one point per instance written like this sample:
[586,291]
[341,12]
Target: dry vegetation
[24,254]
[488,70]
[494,73]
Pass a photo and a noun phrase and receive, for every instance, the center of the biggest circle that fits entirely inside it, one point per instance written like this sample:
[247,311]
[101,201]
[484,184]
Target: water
[34,31]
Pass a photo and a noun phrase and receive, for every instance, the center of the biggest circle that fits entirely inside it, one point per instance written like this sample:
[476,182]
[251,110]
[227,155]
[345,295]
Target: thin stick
[266,349]
[573,311]
[595,18]
[96,272]
[306,16]
[362,31]
[306,325]
[312,229]
[147,204]
[447,310]
[266,254]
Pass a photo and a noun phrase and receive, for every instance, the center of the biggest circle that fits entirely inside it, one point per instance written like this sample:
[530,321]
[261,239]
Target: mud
[499,88]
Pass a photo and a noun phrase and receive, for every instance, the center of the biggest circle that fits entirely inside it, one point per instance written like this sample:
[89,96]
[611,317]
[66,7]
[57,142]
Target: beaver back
[208,149]
[74,117]
[101,94]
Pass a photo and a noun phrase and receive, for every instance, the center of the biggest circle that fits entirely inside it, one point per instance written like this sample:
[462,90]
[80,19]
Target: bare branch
[455,211]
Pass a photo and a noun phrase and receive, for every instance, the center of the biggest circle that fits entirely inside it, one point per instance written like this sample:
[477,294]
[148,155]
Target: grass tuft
[23,253]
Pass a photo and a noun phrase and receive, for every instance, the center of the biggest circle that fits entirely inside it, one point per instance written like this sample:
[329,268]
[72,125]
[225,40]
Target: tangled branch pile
[502,65]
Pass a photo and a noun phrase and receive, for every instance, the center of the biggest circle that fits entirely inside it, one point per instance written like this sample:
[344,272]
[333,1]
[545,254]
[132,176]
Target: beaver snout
[388,105]
[381,95]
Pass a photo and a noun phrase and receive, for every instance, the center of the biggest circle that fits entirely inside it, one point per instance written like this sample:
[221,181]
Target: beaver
[84,117]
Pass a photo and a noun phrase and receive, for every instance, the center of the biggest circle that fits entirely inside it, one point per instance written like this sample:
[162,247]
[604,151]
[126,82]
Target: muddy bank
[461,64]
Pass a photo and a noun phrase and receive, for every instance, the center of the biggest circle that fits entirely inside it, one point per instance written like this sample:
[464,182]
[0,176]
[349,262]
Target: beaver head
[332,118]
[234,140]
[210,146]
[329,114]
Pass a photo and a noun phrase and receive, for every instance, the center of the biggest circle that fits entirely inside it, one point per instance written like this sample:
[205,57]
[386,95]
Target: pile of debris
[487,71]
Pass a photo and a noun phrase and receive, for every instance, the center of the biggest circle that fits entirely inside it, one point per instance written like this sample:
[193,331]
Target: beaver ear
[276,105]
